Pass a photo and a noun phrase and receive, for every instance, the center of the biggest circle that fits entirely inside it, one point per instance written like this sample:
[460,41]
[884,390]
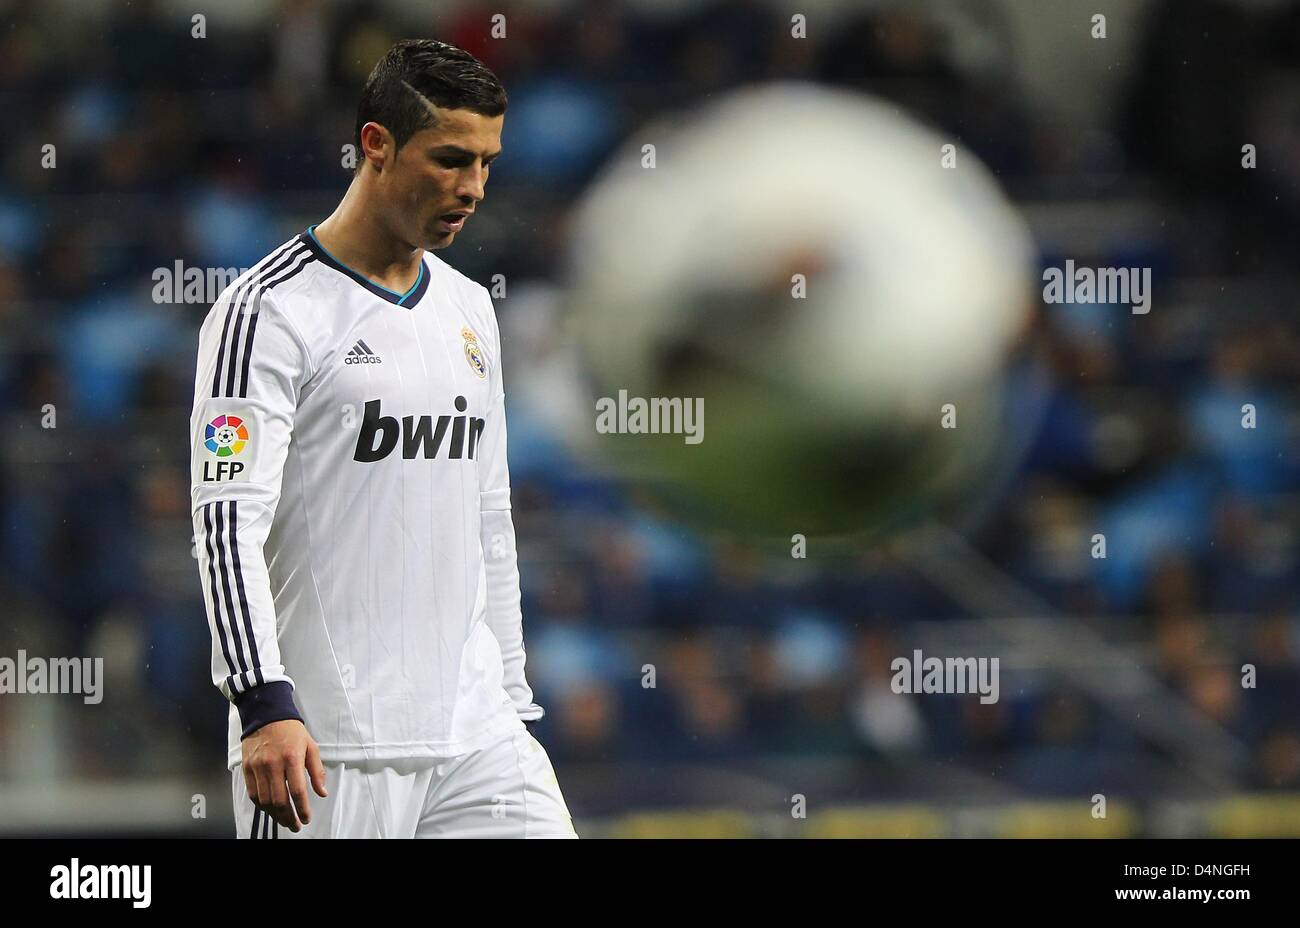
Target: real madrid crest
[473,353]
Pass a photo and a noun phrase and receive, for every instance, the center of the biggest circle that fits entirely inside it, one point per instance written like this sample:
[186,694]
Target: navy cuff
[270,702]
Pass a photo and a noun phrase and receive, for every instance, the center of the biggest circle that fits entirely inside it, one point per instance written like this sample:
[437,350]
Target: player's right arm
[252,365]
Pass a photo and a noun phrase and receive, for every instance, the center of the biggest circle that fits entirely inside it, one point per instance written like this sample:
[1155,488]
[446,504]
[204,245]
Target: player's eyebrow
[457,150]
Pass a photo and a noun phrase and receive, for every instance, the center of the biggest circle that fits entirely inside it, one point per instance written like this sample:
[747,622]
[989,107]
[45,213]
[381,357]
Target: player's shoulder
[283,272]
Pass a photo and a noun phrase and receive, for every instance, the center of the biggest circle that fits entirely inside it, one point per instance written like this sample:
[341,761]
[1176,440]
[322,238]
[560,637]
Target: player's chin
[437,237]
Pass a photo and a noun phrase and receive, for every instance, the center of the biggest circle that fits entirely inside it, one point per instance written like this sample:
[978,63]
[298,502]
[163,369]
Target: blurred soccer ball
[823,409]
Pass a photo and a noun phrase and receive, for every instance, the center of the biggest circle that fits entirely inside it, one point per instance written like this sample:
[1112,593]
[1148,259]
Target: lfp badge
[225,436]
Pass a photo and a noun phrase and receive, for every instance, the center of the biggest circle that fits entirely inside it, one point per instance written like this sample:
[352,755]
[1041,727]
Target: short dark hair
[442,74]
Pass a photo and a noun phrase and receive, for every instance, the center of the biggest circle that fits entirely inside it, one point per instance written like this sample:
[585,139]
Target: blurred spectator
[650,646]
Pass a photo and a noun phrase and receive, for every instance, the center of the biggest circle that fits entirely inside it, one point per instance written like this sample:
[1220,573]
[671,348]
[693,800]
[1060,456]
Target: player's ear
[377,145]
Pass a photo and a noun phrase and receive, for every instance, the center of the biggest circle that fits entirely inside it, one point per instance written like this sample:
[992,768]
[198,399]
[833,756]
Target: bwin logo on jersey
[420,437]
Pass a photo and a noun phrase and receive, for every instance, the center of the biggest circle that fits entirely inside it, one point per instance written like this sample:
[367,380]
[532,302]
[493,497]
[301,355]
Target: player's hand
[278,758]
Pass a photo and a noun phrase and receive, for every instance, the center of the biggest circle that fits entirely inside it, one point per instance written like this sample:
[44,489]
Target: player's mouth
[454,221]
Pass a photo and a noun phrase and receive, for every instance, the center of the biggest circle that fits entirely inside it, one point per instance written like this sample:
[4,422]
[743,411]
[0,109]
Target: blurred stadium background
[1120,676]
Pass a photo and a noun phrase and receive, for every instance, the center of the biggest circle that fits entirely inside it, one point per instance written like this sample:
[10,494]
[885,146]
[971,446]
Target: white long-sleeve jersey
[351,506]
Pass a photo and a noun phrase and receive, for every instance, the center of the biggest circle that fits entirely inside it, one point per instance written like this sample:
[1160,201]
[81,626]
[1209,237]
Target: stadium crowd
[648,644]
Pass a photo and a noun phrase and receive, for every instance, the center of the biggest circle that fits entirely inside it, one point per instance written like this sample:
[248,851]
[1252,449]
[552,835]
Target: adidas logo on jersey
[361,354]
[420,437]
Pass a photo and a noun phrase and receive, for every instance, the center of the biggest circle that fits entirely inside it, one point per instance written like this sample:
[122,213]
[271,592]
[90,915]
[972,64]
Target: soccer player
[351,499]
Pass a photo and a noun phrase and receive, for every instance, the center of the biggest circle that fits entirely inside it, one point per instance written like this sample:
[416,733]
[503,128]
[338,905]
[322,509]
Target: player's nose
[472,184]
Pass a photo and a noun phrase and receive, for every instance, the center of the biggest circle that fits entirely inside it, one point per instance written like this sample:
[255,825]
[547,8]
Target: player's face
[441,171]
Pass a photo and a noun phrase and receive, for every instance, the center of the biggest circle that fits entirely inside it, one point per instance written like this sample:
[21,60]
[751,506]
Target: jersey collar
[407,299]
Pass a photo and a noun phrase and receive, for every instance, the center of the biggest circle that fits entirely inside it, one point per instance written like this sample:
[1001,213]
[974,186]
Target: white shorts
[506,790]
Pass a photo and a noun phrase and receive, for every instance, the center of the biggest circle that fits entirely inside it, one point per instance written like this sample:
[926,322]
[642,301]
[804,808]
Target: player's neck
[357,237]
